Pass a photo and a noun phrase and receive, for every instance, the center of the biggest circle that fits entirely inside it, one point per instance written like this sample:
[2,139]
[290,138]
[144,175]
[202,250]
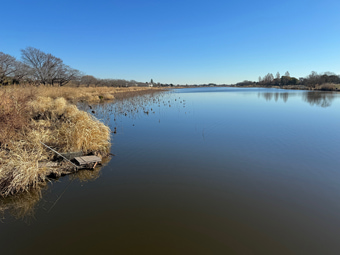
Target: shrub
[327,86]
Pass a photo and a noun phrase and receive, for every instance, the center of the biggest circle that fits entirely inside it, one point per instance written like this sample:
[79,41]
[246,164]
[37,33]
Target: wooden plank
[80,160]
[87,160]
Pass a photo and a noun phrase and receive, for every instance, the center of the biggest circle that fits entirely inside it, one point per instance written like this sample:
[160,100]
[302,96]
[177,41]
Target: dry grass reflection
[21,206]
[49,110]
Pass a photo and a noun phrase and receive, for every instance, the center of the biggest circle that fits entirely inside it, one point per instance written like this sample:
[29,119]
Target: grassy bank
[31,115]
[323,87]
[76,94]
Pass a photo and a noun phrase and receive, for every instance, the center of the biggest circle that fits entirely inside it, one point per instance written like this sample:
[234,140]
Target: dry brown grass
[26,119]
[88,94]
[327,87]
[66,128]
[30,115]
[13,113]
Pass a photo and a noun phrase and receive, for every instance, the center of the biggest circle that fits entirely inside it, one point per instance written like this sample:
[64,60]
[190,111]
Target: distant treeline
[314,80]
[89,80]
[37,67]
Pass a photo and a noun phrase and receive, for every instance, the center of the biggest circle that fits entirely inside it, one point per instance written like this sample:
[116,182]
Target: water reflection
[276,96]
[90,175]
[21,206]
[322,99]
[256,183]
[140,106]
[317,98]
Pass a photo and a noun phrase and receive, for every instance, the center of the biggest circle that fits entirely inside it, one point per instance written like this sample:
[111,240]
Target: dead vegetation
[30,115]
[64,127]
[328,87]
[27,120]
[87,94]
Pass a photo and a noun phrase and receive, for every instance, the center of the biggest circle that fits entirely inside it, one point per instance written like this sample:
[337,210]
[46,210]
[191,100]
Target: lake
[197,171]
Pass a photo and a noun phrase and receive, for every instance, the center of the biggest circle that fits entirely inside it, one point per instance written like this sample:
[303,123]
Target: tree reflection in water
[24,205]
[322,99]
[317,98]
[270,95]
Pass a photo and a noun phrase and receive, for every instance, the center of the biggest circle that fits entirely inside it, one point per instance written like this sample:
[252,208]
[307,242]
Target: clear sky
[178,41]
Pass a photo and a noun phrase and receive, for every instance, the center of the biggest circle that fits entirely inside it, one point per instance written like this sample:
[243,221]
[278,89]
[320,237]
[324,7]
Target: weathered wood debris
[80,162]
[88,161]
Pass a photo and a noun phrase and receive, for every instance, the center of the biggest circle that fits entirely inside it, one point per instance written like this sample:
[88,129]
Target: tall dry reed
[26,120]
[31,115]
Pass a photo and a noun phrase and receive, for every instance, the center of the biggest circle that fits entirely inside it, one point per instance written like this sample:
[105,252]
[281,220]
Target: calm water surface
[197,171]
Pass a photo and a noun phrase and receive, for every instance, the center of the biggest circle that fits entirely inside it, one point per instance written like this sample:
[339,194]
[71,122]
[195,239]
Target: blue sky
[180,42]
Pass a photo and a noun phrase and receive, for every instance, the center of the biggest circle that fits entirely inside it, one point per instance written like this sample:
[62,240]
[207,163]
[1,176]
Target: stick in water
[60,155]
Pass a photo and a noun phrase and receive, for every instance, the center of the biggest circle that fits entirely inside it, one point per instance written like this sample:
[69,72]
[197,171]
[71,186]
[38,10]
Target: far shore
[334,87]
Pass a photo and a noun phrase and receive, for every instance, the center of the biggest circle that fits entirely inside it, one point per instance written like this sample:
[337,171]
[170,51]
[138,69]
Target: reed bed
[329,87]
[31,115]
[57,123]
[87,94]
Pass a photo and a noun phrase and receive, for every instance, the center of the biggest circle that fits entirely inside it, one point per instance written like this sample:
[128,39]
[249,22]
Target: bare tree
[22,72]
[268,79]
[312,79]
[88,80]
[277,76]
[35,59]
[8,66]
[287,74]
[65,74]
[48,69]
[277,79]
[44,66]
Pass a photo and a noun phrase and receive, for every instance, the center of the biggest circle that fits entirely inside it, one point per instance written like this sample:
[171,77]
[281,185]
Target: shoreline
[292,87]
[33,116]
[30,116]
[287,87]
